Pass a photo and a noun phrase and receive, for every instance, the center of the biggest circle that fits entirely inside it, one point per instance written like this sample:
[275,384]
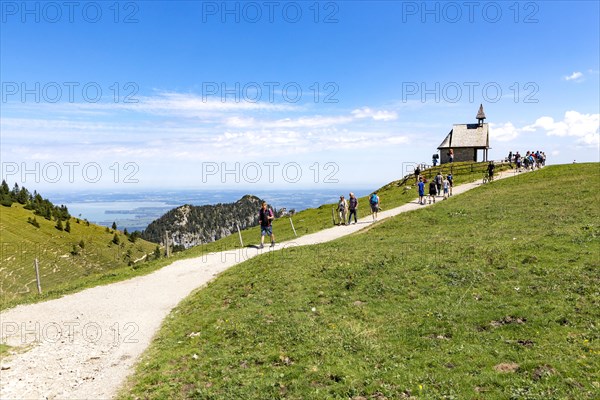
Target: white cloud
[575,76]
[585,127]
[287,123]
[503,132]
[377,115]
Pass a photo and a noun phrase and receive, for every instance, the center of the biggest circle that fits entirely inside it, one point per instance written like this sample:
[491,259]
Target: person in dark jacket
[265,218]
[352,206]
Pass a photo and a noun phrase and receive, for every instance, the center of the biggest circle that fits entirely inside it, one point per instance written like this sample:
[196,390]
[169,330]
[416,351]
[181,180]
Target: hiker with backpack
[353,206]
[421,186]
[432,191]
[265,218]
[374,202]
[450,179]
[439,179]
[446,188]
[342,210]
[417,174]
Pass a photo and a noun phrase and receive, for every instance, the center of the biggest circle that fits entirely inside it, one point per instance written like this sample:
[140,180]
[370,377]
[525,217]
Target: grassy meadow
[493,294]
[65,259]
[102,262]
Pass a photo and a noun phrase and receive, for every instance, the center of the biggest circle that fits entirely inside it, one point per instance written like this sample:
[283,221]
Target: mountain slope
[192,225]
[490,294]
[63,256]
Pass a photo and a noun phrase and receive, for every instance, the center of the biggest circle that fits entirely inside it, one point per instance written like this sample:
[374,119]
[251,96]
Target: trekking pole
[294,229]
[333,215]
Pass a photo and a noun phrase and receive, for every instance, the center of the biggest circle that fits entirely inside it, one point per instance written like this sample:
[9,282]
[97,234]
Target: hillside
[64,257]
[193,225]
[305,222]
[491,294]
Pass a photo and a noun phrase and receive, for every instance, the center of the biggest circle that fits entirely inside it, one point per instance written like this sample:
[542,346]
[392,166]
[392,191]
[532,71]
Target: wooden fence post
[239,234]
[294,229]
[37,276]
[167,244]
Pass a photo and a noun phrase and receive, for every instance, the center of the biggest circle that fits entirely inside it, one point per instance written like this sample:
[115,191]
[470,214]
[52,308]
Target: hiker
[417,173]
[342,210]
[432,190]
[265,217]
[353,205]
[421,186]
[434,159]
[450,179]
[438,182]
[446,187]
[451,155]
[374,201]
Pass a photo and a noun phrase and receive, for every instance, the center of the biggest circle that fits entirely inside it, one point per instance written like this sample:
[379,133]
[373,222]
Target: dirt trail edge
[84,345]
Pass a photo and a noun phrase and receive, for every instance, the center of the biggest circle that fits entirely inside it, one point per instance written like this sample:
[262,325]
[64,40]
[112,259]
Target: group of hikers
[439,185]
[348,208]
[529,161]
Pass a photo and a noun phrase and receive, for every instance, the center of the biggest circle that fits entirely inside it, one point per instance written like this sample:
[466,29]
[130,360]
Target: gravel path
[84,345]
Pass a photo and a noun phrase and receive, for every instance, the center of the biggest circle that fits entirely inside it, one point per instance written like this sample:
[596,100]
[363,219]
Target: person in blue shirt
[421,186]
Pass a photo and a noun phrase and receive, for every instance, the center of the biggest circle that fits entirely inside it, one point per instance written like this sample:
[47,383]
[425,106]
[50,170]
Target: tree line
[33,201]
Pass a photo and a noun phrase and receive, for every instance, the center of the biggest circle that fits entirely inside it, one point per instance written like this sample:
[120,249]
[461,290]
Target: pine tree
[59,225]
[68,227]
[157,252]
[4,189]
[114,226]
[15,191]
[115,239]
[23,196]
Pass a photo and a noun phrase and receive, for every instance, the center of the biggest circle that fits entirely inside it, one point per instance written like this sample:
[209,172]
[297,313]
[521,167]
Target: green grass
[102,263]
[63,263]
[3,350]
[492,294]
[316,219]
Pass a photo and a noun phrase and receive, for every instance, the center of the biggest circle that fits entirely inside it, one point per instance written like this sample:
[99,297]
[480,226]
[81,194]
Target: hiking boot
[272,244]
[261,246]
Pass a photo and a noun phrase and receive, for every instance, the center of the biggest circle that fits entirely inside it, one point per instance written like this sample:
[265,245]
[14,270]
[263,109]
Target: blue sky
[197,94]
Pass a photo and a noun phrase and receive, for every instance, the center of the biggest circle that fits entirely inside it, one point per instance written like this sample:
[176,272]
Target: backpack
[264,216]
[373,199]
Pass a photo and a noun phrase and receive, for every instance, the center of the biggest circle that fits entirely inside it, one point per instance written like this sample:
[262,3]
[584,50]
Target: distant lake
[135,210]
